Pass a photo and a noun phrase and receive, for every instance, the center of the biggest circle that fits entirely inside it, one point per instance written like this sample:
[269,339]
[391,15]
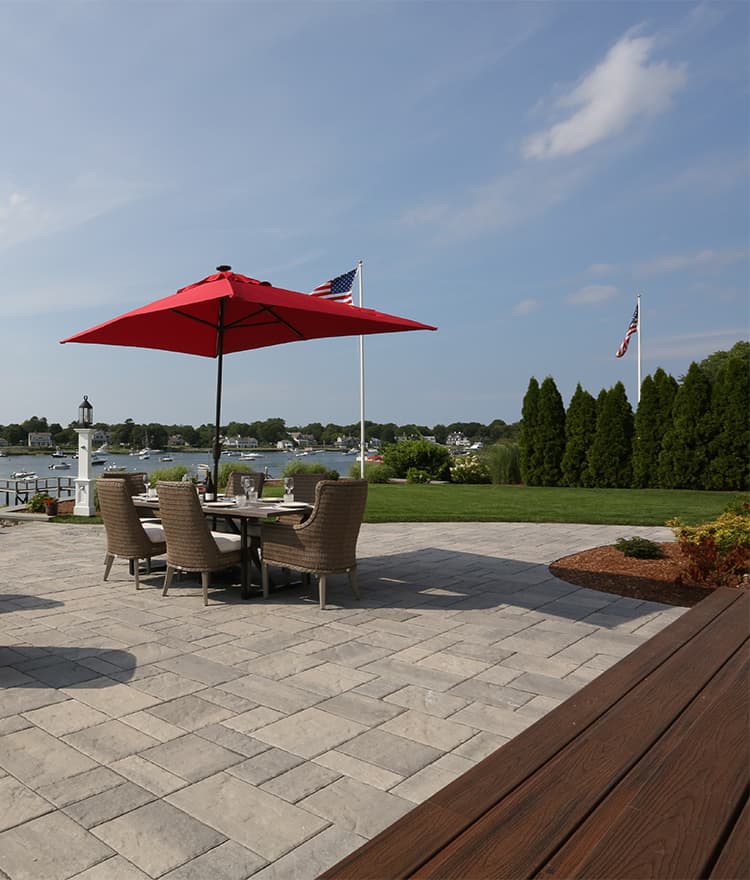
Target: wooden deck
[642,773]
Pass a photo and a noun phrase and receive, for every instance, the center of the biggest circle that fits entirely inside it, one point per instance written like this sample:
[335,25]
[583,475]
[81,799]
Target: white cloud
[26,216]
[622,88]
[596,270]
[707,259]
[594,293]
[695,346]
[505,202]
[526,306]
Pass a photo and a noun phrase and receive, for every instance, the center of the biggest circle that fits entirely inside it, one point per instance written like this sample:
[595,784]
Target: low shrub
[415,475]
[37,503]
[228,467]
[469,469]
[718,551]
[639,548]
[302,467]
[375,472]
[419,454]
[173,474]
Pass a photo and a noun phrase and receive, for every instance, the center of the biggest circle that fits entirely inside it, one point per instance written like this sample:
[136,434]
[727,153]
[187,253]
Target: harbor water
[273,463]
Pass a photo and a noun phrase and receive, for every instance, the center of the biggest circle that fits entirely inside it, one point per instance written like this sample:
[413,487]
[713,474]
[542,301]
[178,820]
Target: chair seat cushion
[227,543]
[154,531]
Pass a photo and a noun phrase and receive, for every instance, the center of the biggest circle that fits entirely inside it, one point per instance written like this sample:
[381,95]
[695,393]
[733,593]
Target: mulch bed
[610,571]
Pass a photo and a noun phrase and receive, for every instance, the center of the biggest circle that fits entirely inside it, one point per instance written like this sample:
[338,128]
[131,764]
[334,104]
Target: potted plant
[50,506]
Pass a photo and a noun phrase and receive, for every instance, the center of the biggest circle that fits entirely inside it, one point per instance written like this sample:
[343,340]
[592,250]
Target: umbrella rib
[239,322]
[195,318]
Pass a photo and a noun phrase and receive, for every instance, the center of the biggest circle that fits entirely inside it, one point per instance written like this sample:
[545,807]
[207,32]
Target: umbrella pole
[219,370]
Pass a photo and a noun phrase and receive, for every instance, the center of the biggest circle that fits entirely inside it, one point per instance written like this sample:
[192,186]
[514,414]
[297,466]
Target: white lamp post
[84,505]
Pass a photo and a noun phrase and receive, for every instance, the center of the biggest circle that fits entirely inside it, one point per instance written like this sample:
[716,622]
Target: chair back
[304,486]
[135,482]
[234,483]
[189,541]
[125,534]
[334,524]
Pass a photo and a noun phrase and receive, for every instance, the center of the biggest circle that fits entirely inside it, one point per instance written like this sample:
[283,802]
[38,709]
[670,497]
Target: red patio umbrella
[228,312]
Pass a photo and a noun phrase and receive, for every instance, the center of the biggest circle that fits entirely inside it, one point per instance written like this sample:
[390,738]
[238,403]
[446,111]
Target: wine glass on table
[288,488]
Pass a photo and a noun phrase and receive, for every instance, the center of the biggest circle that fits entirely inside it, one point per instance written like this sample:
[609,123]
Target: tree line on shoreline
[268,432]
[691,434]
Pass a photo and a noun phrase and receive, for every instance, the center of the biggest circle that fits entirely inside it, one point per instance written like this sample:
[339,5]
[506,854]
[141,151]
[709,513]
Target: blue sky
[513,173]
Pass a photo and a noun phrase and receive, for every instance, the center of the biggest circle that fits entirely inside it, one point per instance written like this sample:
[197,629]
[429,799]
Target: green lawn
[465,503]
[403,502]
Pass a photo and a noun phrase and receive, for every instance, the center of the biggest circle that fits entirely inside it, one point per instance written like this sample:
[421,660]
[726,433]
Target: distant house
[100,436]
[304,441]
[285,444]
[239,442]
[40,439]
[4,442]
[457,438]
[176,440]
[345,442]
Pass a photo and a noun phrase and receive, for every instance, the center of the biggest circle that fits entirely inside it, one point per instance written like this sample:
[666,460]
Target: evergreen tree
[528,449]
[667,387]
[729,449]
[652,420]
[610,456]
[684,454]
[550,433]
[580,427]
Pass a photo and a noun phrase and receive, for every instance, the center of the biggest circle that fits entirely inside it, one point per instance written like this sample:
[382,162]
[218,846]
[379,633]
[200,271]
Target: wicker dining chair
[191,545]
[326,542]
[304,486]
[135,481]
[234,483]
[127,536]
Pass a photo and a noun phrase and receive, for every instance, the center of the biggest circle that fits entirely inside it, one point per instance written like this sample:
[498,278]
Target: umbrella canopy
[227,312]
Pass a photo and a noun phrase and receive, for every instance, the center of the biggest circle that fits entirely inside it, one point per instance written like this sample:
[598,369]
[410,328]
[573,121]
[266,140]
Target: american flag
[338,289]
[632,328]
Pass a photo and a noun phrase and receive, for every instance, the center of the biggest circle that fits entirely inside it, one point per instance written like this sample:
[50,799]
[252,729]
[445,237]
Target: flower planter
[51,508]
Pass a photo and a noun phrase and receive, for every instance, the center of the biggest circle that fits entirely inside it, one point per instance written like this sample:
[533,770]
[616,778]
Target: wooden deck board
[599,759]
[734,858]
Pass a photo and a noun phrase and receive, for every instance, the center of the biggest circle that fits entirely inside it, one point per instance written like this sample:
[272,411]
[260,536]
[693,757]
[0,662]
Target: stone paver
[145,736]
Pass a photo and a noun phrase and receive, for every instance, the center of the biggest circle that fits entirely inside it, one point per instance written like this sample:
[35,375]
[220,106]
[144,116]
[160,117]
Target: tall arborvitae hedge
[580,427]
[652,419]
[729,447]
[610,455]
[684,454]
[550,433]
[528,447]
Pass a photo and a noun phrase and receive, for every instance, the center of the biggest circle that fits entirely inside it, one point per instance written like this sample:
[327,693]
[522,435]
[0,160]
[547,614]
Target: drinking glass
[251,493]
[288,489]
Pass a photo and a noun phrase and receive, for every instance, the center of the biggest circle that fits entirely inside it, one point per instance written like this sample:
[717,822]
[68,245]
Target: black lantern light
[85,413]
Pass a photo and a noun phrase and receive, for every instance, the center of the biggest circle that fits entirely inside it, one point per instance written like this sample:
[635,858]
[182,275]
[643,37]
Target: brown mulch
[610,571]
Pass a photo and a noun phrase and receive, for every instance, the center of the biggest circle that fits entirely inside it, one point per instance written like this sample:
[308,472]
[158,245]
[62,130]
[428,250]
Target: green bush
[502,461]
[302,467]
[469,469]
[229,467]
[718,551]
[415,475]
[375,472]
[419,454]
[173,474]
[639,548]
[37,502]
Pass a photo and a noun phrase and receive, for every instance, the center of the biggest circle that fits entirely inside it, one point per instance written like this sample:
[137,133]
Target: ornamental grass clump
[718,551]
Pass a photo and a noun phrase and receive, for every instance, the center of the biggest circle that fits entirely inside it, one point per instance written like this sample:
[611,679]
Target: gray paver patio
[148,736]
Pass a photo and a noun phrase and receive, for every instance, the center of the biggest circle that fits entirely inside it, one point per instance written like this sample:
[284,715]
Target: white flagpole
[638,302]
[361,387]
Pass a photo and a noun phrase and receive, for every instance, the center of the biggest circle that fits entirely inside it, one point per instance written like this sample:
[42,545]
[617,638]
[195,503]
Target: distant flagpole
[633,327]
[361,386]
[638,307]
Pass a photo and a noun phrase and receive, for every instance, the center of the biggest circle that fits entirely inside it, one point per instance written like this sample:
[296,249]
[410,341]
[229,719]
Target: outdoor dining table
[244,519]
